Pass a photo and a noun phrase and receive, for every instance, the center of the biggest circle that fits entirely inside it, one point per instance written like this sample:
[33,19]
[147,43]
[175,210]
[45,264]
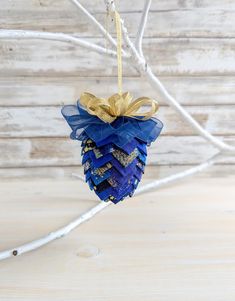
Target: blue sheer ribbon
[120,131]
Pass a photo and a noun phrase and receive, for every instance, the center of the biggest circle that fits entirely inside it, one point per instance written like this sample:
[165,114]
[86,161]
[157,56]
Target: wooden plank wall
[189,43]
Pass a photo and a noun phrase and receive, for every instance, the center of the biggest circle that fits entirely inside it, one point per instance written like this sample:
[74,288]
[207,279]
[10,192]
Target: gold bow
[117,105]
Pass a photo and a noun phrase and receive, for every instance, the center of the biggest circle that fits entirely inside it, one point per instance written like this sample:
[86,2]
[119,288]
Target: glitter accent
[100,171]
[97,153]
[125,159]
[112,182]
[88,146]
[87,165]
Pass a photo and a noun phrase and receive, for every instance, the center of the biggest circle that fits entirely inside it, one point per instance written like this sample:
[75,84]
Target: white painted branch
[178,176]
[136,60]
[158,86]
[100,27]
[78,176]
[139,62]
[37,243]
[95,22]
[142,25]
[30,34]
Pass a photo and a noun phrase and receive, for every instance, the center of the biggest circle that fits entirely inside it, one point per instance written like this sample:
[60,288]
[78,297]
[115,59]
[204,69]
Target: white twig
[165,181]
[140,63]
[37,243]
[78,176]
[158,86]
[142,25]
[95,22]
[52,36]
[134,53]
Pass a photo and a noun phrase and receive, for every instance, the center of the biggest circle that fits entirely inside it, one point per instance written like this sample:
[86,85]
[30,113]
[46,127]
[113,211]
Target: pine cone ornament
[114,153]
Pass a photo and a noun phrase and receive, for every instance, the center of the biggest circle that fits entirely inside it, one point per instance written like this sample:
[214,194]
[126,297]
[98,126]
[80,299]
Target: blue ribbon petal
[120,131]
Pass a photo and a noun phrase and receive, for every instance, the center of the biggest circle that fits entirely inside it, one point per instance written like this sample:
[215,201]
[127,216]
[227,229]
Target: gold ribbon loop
[118,105]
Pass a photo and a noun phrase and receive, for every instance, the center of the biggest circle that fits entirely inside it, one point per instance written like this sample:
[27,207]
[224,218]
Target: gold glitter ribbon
[118,105]
[119,50]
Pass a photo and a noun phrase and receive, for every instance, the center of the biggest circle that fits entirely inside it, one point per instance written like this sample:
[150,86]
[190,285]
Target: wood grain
[66,172]
[173,244]
[200,22]
[168,56]
[124,6]
[32,91]
[30,152]
[48,121]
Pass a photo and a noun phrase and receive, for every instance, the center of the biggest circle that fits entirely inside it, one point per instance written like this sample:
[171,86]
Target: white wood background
[189,43]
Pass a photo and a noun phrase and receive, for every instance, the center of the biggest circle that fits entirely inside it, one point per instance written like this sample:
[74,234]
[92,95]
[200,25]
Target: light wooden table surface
[177,243]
